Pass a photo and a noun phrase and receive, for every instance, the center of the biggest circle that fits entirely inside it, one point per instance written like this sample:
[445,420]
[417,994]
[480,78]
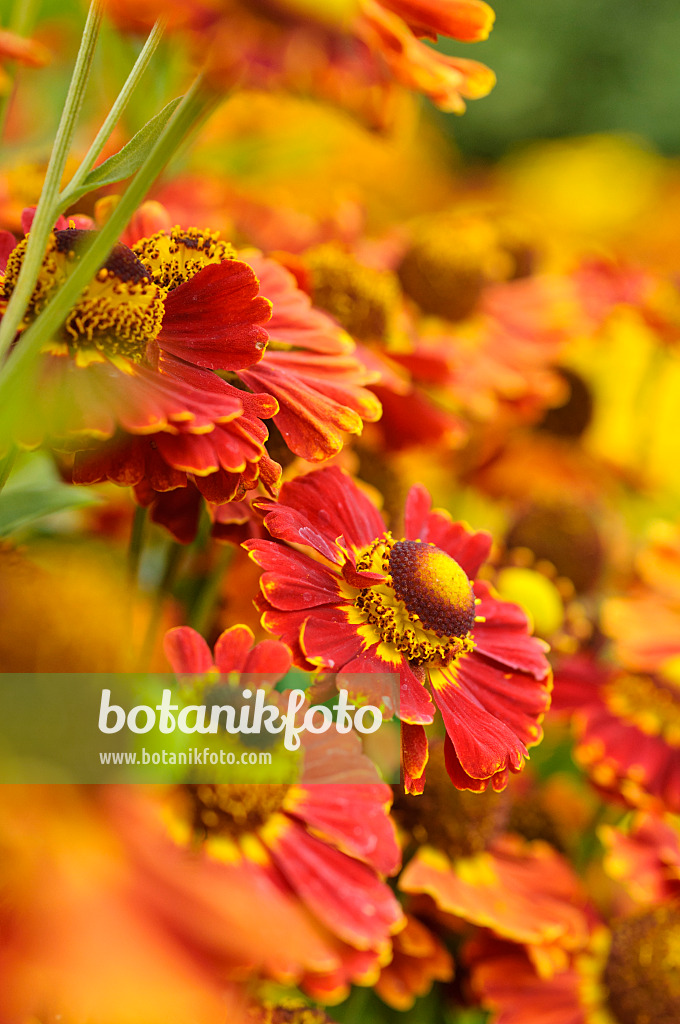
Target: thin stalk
[47,204]
[21,23]
[114,114]
[191,111]
[173,561]
[135,546]
[6,466]
[204,605]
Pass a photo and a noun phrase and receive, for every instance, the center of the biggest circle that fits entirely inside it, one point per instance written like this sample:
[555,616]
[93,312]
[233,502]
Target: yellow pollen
[173,257]
[232,810]
[425,609]
[119,313]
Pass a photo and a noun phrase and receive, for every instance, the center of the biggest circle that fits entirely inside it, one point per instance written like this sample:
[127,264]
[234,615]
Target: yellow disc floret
[119,313]
[173,257]
[232,810]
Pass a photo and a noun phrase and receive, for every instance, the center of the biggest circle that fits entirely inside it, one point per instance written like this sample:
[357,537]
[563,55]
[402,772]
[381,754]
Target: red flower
[133,367]
[627,731]
[358,601]
[355,47]
[318,848]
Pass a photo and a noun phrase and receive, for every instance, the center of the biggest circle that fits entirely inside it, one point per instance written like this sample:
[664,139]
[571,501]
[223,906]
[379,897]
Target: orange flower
[314,852]
[418,959]
[26,51]
[336,50]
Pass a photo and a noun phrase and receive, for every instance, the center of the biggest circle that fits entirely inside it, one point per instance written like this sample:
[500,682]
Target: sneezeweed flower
[645,858]
[323,845]
[464,859]
[628,731]
[645,623]
[626,974]
[311,383]
[329,49]
[356,600]
[134,362]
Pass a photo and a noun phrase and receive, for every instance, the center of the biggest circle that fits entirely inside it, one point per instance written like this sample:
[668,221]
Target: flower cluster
[331,423]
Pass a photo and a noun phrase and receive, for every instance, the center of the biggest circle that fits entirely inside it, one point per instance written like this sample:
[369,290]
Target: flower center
[119,313]
[232,810]
[642,974]
[650,703]
[173,257]
[448,264]
[426,607]
[457,822]
[361,299]
[292,1011]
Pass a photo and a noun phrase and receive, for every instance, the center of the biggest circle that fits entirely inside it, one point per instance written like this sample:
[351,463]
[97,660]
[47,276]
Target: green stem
[195,106]
[21,23]
[204,605]
[45,213]
[6,466]
[173,560]
[136,544]
[114,114]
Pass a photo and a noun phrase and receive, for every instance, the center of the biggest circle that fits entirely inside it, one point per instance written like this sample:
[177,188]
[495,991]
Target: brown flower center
[425,608]
[457,822]
[232,810]
[642,974]
[448,263]
[363,300]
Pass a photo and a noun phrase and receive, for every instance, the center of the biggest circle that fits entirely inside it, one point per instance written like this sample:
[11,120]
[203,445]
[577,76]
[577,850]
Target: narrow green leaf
[127,160]
[23,505]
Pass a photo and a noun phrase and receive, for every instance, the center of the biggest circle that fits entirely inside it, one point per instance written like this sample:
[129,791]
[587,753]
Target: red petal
[232,647]
[355,819]
[330,644]
[217,318]
[187,651]
[414,755]
[343,893]
[504,635]
[484,745]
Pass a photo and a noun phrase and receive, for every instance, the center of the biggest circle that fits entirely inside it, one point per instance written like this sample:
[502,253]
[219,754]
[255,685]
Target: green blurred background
[572,67]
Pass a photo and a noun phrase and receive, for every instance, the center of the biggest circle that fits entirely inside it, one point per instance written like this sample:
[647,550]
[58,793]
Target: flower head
[318,848]
[357,600]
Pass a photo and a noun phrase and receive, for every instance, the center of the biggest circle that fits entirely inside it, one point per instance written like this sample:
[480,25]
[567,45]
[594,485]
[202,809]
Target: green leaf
[23,505]
[127,160]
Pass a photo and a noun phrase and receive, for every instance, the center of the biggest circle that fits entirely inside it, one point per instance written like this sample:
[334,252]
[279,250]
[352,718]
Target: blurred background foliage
[573,67]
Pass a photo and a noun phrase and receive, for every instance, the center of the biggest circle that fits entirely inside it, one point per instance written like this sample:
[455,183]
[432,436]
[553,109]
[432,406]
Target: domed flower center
[650,703]
[363,300]
[232,810]
[448,264]
[119,313]
[173,257]
[642,974]
[426,607]
[458,823]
